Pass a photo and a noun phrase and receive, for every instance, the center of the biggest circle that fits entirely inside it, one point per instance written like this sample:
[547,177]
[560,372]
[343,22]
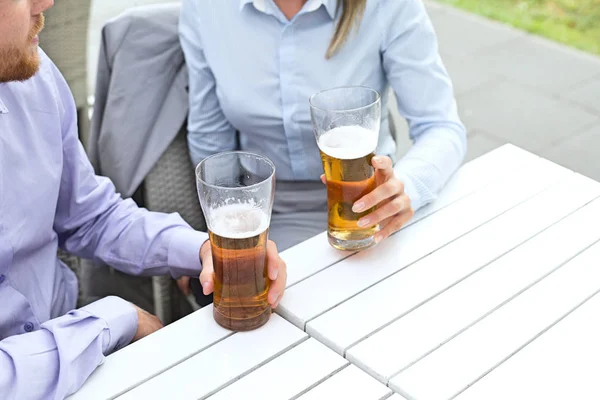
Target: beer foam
[348,142]
[239,221]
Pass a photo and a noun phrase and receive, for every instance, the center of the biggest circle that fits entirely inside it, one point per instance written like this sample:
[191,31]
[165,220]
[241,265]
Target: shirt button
[2,278]
[28,327]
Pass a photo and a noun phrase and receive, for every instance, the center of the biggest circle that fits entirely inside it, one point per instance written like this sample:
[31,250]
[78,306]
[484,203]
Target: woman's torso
[267,67]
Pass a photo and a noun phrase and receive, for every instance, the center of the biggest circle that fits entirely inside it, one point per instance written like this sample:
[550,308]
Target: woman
[253,64]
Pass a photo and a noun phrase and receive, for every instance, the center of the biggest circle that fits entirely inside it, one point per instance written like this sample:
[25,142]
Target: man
[50,197]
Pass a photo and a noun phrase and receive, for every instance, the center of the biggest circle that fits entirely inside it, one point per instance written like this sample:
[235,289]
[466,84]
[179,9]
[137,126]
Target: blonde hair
[352,13]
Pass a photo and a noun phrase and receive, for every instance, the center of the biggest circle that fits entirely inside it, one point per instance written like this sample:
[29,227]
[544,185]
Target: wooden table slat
[563,363]
[216,367]
[491,292]
[481,348]
[349,384]
[349,277]
[390,299]
[160,351]
[288,375]
[476,175]
[312,256]
[418,333]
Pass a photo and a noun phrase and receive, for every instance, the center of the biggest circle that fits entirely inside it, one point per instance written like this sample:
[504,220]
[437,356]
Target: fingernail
[377,239]
[377,160]
[358,207]
[274,274]
[363,222]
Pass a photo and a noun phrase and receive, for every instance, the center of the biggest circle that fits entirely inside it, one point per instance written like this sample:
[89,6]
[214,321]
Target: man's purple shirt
[50,198]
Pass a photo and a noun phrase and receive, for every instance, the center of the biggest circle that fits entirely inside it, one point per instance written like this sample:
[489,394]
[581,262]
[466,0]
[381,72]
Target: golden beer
[239,250]
[346,153]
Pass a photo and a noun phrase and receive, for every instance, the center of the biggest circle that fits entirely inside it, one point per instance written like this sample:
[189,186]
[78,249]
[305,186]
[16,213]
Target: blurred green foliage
[573,22]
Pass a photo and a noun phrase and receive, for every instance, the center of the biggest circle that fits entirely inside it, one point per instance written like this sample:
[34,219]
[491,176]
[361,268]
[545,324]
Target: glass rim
[229,153]
[377,98]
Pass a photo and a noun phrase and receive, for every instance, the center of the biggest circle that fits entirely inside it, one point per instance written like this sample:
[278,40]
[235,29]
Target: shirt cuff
[184,252]
[121,318]
[410,188]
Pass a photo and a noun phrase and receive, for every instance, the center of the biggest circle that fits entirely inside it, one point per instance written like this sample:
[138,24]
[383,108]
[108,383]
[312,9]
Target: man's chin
[20,67]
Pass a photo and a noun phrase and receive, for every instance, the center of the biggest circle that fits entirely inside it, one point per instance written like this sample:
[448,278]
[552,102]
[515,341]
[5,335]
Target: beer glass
[346,123]
[236,192]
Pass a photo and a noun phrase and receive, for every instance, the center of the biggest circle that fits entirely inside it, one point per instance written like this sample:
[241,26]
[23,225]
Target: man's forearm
[137,242]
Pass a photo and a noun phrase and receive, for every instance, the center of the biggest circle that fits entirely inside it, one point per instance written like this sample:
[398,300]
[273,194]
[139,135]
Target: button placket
[288,97]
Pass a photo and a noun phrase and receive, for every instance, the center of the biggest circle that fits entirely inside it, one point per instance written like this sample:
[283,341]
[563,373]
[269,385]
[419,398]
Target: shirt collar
[330,5]
[258,4]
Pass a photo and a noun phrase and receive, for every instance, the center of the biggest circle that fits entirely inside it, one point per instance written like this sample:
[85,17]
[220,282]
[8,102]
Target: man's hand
[183,284]
[393,205]
[277,272]
[147,324]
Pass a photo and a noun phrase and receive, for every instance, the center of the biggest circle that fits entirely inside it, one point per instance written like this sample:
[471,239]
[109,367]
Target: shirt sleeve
[54,361]
[425,98]
[209,131]
[93,221]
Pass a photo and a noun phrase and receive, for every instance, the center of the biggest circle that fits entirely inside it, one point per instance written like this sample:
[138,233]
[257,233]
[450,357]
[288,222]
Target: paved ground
[511,87]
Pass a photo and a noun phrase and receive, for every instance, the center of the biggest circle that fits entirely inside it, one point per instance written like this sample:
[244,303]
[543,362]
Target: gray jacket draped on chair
[141,99]
[138,136]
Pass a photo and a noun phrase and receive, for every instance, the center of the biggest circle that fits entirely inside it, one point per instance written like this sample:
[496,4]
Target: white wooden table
[491,292]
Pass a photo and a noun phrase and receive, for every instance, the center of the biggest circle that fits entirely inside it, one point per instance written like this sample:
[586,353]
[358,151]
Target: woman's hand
[393,205]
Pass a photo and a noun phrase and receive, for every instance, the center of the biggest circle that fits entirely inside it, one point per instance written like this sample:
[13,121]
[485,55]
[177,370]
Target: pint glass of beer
[236,192]
[346,122]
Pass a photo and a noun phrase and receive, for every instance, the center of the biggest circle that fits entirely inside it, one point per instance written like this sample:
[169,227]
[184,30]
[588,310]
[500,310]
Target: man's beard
[20,64]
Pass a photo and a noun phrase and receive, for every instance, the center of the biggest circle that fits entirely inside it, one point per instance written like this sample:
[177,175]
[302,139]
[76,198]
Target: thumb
[273,260]
[384,168]
[323,179]
[207,274]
